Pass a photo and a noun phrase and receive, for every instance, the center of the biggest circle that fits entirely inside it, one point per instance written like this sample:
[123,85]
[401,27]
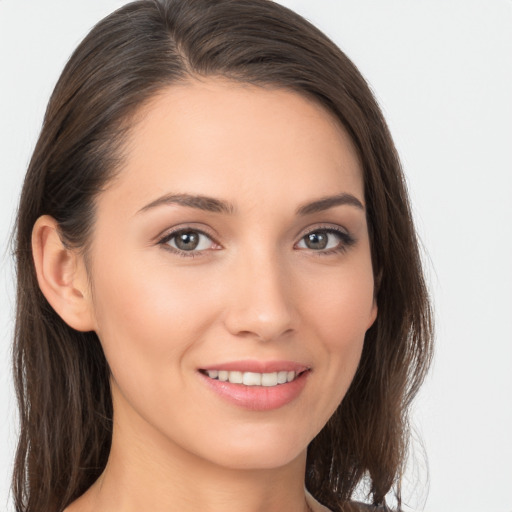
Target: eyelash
[186,254]
[345,241]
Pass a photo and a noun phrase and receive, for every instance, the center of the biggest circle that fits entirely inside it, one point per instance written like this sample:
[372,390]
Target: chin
[262,459]
[257,450]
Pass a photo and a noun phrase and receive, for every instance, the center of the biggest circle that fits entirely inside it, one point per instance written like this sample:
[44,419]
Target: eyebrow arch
[209,204]
[329,202]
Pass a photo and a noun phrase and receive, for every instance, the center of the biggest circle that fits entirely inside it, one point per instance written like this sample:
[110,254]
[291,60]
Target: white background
[442,72]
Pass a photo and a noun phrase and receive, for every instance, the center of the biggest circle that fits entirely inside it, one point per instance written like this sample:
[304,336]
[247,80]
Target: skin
[254,291]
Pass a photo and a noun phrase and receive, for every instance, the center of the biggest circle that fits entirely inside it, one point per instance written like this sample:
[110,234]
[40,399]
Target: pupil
[187,241]
[316,240]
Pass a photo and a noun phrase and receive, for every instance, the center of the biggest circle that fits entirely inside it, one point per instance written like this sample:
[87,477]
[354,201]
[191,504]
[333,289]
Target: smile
[257,385]
[253,378]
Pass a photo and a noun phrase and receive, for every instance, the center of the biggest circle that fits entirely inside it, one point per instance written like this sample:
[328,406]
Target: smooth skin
[260,276]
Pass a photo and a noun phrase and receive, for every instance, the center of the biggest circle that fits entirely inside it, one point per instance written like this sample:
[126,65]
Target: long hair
[62,377]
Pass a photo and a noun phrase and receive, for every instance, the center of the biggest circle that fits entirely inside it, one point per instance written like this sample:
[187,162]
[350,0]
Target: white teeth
[253,378]
[236,377]
[269,379]
[282,377]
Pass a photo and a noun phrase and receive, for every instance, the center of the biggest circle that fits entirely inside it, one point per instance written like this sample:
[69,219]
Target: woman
[220,298]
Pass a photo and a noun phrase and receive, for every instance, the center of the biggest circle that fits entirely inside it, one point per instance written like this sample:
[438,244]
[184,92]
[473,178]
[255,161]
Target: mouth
[257,385]
[268,380]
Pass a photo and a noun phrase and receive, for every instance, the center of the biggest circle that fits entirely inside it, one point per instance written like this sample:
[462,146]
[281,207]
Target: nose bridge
[261,300]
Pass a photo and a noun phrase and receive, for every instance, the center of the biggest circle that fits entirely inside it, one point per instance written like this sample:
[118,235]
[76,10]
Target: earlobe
[61,275]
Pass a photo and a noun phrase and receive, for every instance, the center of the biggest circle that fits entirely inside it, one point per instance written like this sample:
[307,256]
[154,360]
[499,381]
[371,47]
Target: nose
[260,303]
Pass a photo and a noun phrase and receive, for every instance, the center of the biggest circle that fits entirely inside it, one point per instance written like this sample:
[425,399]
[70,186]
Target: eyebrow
[211,204]
[329,202]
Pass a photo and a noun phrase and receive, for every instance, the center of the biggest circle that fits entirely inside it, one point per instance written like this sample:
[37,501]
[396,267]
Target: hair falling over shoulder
[62,377]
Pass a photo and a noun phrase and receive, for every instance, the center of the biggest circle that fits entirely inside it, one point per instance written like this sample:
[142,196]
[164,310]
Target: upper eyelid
[341,234]
[172,234]
[322,227]
[168,233]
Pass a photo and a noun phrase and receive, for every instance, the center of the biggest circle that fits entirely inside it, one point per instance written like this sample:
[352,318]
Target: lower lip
[258,398]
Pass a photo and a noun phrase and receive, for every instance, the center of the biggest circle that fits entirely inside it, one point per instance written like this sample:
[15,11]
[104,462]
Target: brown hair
[62,377]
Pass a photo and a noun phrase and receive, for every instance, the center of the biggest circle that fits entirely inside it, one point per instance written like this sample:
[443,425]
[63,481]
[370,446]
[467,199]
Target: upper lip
[258,366]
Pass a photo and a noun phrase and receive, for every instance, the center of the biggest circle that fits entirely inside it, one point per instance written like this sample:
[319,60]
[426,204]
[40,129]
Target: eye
[188,240]
[325,240]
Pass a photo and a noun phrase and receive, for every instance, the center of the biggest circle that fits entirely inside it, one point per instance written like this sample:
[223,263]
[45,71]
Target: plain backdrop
[442,72]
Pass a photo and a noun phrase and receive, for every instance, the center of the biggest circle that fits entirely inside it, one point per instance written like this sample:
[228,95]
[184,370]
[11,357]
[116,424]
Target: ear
[374,310]
[373,314]
[61,275]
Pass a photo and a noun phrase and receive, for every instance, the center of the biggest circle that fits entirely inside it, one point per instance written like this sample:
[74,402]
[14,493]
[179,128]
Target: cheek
[338,314]
[341,304]
[340,321]
[147,315]
[151,322]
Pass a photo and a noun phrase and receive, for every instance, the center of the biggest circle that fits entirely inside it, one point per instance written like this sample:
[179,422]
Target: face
[231,278]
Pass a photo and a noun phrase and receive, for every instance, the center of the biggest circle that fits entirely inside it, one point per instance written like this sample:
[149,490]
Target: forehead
[225,139]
